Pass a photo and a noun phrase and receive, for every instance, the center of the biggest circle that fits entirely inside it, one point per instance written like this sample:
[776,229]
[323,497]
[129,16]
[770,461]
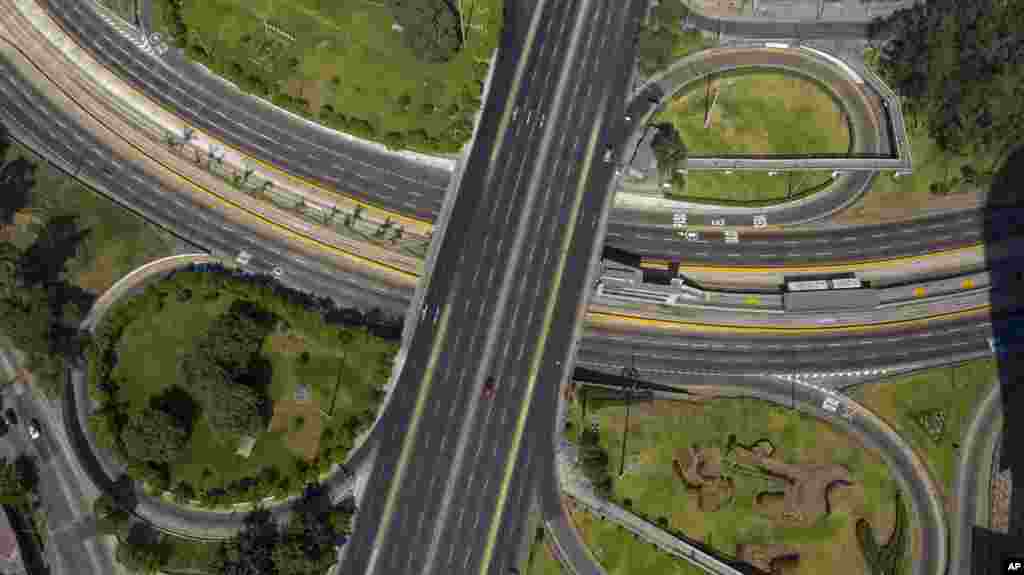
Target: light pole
[631,373]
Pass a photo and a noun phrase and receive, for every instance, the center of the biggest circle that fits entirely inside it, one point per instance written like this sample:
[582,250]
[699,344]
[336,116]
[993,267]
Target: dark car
[12,417]
[34,428]
[489,388]
[3,427]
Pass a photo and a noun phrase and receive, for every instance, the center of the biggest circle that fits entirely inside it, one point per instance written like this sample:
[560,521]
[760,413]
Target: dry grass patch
[304,439]
[97,277]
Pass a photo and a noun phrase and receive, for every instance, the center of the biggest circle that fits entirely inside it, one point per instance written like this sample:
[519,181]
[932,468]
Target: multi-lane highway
[414,188]
[493,422]
[526,225]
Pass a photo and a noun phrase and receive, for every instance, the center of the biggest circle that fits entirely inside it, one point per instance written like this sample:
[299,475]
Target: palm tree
[357,213]
[247,171]
[267,186]
[396,234]
[384,227]
[171,140]
[215,154]
[331,215]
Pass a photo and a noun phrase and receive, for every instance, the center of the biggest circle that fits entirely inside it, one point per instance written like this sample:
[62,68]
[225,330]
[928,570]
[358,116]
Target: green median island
[221,388]
[932,410]
[406,73]
[750,113]
[749,480]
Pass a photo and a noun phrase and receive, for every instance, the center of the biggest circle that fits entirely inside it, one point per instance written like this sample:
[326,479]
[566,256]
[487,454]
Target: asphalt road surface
[409,187]
[985,422]
[72,545]
[518,198]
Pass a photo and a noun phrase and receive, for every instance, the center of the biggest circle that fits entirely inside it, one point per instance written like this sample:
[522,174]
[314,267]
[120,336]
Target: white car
[277,272]
[830,404]
[243,258]
[692,236]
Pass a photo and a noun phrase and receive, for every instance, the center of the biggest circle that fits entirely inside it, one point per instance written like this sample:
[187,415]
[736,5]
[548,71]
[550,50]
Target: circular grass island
[753,113]
[221,388]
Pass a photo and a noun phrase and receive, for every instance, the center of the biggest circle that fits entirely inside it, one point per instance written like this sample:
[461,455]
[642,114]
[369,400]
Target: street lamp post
[631,373]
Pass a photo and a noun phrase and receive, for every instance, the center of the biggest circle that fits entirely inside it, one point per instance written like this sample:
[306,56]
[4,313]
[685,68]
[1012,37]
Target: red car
[489,388]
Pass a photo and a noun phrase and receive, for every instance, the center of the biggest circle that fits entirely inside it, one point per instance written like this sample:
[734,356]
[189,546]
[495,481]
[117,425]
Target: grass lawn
[621,553]
[896,199]
[952,390]
[756,113]
[148,358]
[750,188]
[759,113]
[118,240]
[348,54]
[661,431]
[692,41]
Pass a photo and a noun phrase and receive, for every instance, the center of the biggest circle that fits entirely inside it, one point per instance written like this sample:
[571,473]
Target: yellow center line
[597,317]
[408,440]
[538,353]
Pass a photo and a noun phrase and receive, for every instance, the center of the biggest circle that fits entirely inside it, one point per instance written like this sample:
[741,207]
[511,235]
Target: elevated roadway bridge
[398,183]
[452,473]
[94,169]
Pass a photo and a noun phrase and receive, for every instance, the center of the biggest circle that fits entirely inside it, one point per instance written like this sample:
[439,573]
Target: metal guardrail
[705,561]
[691,69]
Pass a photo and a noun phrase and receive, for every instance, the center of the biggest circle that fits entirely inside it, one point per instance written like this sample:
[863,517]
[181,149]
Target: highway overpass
[452,464]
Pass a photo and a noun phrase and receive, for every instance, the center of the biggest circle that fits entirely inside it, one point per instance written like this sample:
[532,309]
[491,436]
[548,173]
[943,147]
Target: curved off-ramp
[858,99]
[969,483]
[103,469]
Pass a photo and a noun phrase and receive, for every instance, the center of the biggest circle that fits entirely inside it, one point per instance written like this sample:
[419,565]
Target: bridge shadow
[1004,221]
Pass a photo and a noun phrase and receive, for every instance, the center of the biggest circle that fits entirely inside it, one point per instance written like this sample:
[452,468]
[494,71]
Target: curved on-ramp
[103,469]
[968,487]
[866,120]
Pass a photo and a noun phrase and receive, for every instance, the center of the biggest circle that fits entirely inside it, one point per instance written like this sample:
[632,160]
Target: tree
[236,409]
[250,552]
[152,435]
[142,556]
[16,182]
[10,485]
[111,517]
[46,259]
[958,65]
[26,472]
[431,28]
[669,149]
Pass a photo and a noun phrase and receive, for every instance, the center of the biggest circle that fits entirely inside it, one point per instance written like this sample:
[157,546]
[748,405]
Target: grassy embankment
[661,432]
[342,380]
[757,113]
[911,403]
[344,64]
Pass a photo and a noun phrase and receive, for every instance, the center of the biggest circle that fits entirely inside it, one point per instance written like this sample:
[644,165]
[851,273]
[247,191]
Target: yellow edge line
[222,199]
[594,315]
[538,353]
[408,219]
[409,436]
[667,324]
[131,86]
[846,266]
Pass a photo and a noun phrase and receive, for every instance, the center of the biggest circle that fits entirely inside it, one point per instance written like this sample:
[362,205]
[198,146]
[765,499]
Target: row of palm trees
[216,156]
